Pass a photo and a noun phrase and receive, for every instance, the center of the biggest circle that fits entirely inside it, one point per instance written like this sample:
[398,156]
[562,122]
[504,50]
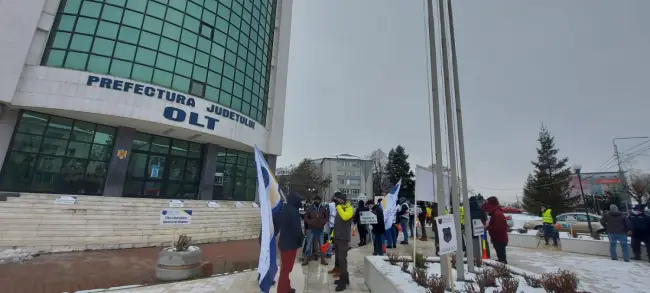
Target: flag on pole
[271,199]
[390,205]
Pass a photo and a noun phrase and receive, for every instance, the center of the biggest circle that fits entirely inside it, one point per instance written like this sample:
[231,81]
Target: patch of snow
[109,289]
[17,255]
[189,248]
[404,282]
[208,285]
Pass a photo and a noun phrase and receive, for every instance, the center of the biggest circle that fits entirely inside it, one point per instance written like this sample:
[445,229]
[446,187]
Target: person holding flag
[271,202]
[290,241]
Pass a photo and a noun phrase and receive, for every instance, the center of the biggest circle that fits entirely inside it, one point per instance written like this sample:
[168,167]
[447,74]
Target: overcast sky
[358,82]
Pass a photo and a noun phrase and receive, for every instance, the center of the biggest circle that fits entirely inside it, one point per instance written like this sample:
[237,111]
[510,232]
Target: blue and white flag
[390,205]
[271,199]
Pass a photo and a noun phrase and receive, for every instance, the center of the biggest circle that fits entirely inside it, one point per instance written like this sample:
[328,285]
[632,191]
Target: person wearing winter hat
[640,224]
[617,225]
[342,237]
[497,228]
[403,219]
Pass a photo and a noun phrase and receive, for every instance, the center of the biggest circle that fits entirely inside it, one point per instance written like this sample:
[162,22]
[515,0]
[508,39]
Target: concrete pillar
[272,161]
[206,186]
[119,164]
[8,120]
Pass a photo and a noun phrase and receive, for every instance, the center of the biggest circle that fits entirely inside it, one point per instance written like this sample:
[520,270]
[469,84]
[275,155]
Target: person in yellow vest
[548,220]
[428,213]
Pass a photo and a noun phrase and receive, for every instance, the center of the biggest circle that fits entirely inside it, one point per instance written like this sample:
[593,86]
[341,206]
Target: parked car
[576,220]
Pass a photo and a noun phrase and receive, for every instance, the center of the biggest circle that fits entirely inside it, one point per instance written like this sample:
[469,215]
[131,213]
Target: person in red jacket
[497,227]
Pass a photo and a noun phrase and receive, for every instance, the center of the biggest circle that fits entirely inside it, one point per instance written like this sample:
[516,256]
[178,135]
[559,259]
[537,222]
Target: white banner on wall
[175,217]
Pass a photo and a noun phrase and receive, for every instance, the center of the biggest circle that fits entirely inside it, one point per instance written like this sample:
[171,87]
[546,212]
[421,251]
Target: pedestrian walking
[497,227]
[548,222]
[617,225]
[640,223]
[291,238]
[342,237]
[361,228]
[316,216]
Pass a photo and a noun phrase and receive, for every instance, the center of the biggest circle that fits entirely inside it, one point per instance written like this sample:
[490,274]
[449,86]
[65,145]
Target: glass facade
[219,50]
[162,167]
[57,155]
[235,177]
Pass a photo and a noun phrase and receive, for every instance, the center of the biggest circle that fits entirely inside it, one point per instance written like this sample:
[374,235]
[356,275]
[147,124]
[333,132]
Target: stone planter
[178,265]
[524,240]
[595,247]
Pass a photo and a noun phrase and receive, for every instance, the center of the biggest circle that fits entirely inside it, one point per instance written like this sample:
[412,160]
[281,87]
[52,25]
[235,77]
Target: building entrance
[162,167]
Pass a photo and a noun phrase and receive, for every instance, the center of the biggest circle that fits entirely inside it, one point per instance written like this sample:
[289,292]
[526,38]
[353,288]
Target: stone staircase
[34,221]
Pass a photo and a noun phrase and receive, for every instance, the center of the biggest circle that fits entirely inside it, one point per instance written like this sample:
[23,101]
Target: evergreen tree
[549,184]
[398,168]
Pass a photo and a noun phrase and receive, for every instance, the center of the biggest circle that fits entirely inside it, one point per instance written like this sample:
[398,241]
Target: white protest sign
[175,217]
[238,204]
[367,218]
[65,200]
[477,226]
[255,205]
[447,232]
[175,203]
[213,204]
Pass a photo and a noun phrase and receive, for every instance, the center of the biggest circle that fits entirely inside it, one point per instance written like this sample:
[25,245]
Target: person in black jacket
[291,238]
[361,228]
[422,217]
[640,223]
[377,229]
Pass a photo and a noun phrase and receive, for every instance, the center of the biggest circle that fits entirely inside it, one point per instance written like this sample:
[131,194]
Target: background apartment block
[351,175]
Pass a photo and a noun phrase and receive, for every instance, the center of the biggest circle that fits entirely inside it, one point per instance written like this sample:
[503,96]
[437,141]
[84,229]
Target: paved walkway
[74,271]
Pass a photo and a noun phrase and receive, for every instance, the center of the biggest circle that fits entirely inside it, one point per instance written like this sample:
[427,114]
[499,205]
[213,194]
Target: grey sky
[357,82]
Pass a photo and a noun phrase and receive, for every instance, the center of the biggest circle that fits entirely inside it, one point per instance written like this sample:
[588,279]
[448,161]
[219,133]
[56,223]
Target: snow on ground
[520,219]
[596,274]
[404,282]
[16,255]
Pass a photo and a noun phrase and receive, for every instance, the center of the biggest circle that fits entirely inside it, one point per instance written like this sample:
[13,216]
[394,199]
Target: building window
[226,45]
[57,155]
[237,174]
[354,191]
[353,182]
[341,181]
[162,167]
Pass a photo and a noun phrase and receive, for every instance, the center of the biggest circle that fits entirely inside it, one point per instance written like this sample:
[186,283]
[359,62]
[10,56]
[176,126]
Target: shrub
[486,278]
[561,282]
[182,243]
[501,271]
[394,258]
[420,276]
[436,284]
[478,261]
[574,233]
[405,264]
[532,281]
[508,285]
[453,261]
[473,288]
[420,261]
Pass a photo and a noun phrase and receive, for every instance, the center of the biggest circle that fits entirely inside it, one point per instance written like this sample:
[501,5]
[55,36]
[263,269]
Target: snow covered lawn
[398,281]
[16,255]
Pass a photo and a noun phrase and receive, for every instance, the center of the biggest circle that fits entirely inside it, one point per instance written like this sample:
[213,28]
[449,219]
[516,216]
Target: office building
[350,175]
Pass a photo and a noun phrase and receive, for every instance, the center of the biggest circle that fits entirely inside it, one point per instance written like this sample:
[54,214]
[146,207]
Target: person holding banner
[361,228]
[291,238]
[378,228]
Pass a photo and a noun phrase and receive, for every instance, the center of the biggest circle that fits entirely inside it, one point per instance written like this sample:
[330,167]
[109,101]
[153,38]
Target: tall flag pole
[271,199]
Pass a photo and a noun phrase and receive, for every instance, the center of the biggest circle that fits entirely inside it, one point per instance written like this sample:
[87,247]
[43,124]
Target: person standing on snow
[548,220]
[422,217]
[291,239]
[617,226]
[361,228]
[316,216]
[640,223]
[342,237]
[331,208]
[403,219]
[377,229]
[497,227]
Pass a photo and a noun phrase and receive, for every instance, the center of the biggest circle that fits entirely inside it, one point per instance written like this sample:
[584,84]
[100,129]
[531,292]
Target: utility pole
[437,128]
[451,137]
[469,232]
[621,174]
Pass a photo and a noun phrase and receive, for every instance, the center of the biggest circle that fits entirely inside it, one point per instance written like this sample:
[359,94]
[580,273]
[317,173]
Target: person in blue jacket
[640,223]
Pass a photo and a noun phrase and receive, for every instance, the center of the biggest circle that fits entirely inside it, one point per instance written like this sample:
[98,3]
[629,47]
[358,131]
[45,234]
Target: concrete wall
[596,247]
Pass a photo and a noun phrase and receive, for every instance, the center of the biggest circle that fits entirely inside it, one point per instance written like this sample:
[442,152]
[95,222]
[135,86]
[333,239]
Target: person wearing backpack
[617,225]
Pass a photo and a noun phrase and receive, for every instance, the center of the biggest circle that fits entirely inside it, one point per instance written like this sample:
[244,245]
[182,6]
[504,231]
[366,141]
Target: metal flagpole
[469,233]
[440,192]
[455,197]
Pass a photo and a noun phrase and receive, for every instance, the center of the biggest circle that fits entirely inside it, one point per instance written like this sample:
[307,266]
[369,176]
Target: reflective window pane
[18,171]
[26,143]
[160,144]
[123,38]
[137,165]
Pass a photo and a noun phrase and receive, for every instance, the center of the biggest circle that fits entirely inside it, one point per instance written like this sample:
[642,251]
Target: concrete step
[91,231]
[99,236]
[44,209]
[122,203]
[131,200]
